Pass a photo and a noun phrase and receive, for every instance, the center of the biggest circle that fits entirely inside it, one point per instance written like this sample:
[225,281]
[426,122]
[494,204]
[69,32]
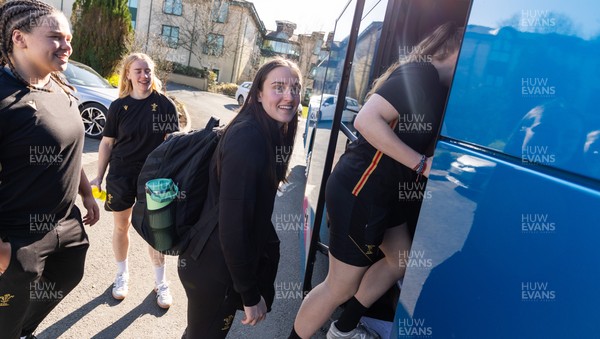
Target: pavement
[89,311]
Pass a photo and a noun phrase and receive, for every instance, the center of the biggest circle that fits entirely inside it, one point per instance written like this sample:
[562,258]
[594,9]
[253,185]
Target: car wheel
[93,116]
[240,100]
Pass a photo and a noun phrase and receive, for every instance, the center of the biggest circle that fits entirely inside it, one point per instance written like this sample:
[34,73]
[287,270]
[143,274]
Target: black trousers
[211,303]
[43,269]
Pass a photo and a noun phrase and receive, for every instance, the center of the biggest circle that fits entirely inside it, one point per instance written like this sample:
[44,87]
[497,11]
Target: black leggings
[41,272]
[211,303]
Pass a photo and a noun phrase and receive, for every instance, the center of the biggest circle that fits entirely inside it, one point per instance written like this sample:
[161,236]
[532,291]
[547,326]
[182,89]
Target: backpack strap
[205,226]
[208,221]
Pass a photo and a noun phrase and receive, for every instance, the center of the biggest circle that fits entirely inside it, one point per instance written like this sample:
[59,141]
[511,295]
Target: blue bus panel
[507,244]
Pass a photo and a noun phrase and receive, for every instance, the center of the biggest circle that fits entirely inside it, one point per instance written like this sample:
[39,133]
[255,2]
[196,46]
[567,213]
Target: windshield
[81,75]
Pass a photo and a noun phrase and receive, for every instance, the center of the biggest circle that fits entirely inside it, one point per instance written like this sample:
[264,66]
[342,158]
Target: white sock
[122,267]
[160,274]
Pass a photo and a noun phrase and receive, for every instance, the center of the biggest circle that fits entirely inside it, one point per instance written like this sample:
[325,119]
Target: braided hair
[23,15]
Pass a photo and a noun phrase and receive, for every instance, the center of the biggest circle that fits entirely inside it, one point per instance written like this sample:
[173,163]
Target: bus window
[324,104]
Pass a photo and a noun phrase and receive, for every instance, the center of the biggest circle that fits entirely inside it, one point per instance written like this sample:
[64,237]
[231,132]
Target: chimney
[286,27]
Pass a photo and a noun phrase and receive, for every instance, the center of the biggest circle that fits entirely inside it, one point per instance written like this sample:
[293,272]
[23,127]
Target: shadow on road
[90,145]
[232,107]
[148,306]
[59,328]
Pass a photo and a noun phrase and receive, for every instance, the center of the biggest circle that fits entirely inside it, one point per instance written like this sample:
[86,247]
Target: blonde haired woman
[136,124]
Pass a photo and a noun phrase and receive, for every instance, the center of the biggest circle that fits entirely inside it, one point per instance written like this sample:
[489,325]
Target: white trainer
[120,288]
[360,332]
[164,299]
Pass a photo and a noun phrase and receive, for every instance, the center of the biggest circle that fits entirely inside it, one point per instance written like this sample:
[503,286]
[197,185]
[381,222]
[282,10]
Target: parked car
[242,93]
[95,95]
[325,111]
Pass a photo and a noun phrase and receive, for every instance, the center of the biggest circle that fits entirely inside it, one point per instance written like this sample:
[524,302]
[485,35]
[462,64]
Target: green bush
[102,33]
[189,70]
[226,89]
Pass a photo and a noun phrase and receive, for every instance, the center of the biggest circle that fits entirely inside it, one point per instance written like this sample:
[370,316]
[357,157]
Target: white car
[324,111]
[95,95]
[242,93]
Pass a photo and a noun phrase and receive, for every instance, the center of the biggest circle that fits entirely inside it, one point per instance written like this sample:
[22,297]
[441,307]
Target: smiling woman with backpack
[136,124]
[231,263]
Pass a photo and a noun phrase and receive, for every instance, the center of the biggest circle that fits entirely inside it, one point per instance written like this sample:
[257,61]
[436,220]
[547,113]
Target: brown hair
[285,134]
[22,15]
[125,86]
[444,41]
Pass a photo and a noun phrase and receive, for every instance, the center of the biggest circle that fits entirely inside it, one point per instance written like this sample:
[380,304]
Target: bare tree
[159,53]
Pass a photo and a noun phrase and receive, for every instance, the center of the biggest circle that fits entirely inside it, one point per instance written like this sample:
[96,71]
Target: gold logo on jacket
[125,107]
[4,299]
[154,107]
[370,249]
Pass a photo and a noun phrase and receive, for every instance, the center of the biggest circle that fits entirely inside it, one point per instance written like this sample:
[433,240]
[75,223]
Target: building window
[281,47]
[220,10]
[318,45]
[133,6]
[172,7]
[170,35]
[214,44]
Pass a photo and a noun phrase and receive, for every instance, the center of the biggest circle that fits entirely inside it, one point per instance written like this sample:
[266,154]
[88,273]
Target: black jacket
[243,247]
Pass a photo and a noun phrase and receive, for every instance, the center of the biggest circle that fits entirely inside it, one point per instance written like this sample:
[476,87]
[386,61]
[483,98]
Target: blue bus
[507,240]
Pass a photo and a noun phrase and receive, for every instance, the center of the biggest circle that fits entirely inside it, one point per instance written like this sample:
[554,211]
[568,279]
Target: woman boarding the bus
[374,193]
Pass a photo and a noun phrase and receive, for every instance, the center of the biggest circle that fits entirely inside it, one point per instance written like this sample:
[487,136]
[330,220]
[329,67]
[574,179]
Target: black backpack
[184,158]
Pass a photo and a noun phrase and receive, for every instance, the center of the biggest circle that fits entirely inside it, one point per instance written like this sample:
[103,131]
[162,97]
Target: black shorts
[121,185]
[358,223]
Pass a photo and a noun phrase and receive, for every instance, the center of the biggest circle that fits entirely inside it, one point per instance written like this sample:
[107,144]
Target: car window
[82,75]
[329,101]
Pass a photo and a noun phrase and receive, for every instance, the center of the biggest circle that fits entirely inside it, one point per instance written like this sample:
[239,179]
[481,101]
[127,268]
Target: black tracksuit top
[245,193]
[41,142]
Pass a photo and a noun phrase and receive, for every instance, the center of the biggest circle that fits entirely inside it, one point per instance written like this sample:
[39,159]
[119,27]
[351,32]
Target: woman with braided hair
[42,240]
